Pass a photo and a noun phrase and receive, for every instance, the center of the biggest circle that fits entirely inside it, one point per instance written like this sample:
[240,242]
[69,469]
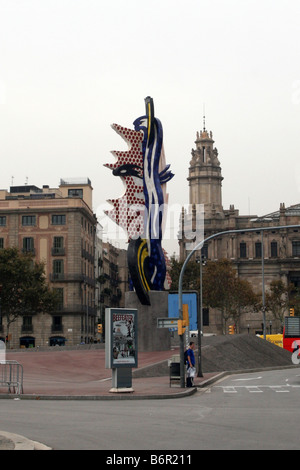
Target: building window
[28,220]
[27,324]
[204,251]
[243,250]
[58,269]
[60,297]
[274,251]
[1,243]
[3,221]
[58,246]
[58,219]
[205,317]
[294,279]
[75,193]
[28,245]
[258,250]
[57,325]
[296,248]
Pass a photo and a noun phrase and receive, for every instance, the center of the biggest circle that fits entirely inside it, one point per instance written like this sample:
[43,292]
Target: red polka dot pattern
[128,210]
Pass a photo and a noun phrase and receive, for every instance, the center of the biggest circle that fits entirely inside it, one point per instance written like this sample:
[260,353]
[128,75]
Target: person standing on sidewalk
[191,370]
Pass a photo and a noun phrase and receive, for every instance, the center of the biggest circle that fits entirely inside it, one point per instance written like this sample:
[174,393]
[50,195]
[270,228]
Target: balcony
[62,277]
[86,255]
[114,282]
[29,250]
[57,251]
[77,308]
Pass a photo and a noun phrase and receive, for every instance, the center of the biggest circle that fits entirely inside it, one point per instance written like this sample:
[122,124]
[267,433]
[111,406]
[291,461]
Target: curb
[212,380]
[21,443]
[126,396]
[132,396]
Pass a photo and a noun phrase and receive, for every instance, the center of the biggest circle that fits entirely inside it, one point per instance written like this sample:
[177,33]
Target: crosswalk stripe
[255,388]
[279,389]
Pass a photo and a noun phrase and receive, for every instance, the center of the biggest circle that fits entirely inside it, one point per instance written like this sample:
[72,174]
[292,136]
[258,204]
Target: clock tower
[205,178]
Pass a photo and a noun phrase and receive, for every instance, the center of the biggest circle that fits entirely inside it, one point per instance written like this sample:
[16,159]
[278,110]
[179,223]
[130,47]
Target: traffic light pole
[263,283]
[199,247]
[200,317]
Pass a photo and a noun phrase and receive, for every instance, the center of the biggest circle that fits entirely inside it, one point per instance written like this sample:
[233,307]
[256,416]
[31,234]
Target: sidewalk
[9,441]
[81,375]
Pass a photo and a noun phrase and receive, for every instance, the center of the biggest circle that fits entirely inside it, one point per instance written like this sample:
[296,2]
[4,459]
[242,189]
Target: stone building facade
[58,226]
[281,247]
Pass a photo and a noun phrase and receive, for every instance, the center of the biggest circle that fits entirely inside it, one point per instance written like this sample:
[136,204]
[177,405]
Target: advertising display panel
[121,337]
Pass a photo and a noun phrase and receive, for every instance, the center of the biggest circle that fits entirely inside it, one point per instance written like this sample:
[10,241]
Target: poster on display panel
[121,338]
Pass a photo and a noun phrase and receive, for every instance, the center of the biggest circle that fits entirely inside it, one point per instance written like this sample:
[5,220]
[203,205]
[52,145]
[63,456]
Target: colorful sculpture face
[140,211]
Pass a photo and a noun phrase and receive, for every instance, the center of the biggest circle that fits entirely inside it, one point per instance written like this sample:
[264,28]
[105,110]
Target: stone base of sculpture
[151,338]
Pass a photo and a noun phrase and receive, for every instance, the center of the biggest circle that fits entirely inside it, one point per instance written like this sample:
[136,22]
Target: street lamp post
[200,320]
[263,282]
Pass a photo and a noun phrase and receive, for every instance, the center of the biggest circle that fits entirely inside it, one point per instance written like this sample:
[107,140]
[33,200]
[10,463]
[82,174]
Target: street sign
[167,322]
[191,299]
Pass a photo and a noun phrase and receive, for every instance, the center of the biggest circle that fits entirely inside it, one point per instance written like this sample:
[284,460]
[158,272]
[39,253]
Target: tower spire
[204,117]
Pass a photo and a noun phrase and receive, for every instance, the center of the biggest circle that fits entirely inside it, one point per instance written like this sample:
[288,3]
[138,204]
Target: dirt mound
[241,352]
[229,353]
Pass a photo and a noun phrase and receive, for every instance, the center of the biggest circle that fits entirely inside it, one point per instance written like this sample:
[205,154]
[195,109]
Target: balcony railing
[86,255]
[76,308]
[29,250]
[62,277]
[58,251]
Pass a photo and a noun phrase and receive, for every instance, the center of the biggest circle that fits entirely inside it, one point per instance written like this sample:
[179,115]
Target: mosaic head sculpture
[141,210]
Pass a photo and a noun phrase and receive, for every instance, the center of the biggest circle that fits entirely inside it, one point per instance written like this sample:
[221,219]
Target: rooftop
[75,181]
[288,212]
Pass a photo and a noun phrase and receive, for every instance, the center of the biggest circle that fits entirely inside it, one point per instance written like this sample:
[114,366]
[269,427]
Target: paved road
[249,411]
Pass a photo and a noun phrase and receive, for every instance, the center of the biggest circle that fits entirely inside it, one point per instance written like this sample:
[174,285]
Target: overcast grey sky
[71,68]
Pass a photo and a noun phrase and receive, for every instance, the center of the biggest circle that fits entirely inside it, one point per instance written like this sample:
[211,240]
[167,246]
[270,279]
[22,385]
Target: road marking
[253,389]
[229,390]
[279,388]
[240,380]
[257,389]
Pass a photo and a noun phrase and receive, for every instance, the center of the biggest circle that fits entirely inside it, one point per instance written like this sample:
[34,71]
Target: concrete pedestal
[151,338]
[121,380]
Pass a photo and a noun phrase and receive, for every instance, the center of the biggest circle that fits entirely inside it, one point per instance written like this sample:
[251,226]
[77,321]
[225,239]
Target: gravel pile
[241,352]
